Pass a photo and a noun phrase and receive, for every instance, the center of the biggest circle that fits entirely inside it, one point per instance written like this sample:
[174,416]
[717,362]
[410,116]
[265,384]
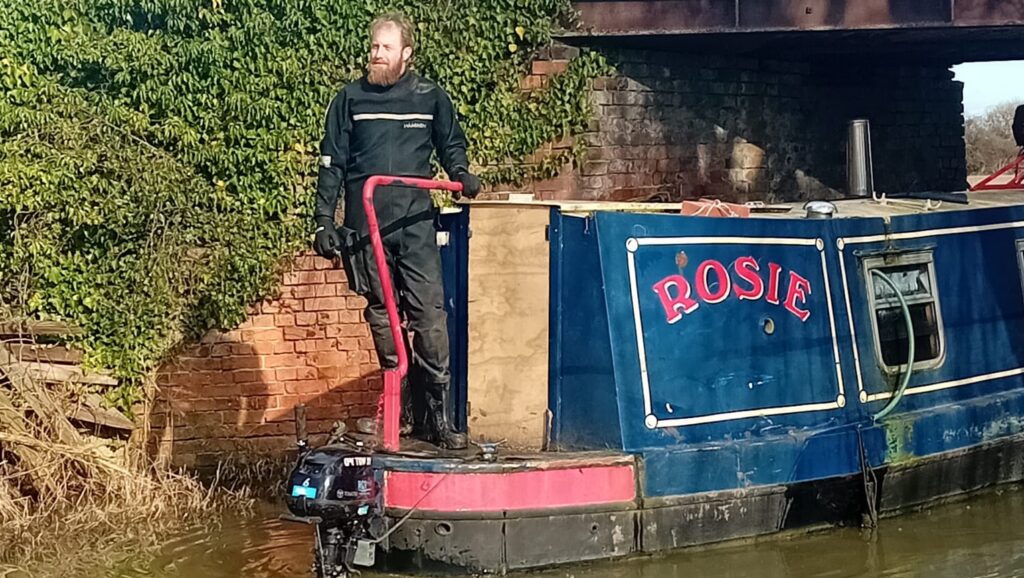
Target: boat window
[914,275]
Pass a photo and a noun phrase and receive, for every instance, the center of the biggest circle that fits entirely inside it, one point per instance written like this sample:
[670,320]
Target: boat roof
[865,207]
[888,207]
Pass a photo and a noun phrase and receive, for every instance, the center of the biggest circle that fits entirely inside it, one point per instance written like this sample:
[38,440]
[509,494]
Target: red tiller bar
[393,377]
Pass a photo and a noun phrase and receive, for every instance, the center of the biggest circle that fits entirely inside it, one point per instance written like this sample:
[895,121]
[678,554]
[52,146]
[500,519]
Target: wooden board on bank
[508,324]
[33,327]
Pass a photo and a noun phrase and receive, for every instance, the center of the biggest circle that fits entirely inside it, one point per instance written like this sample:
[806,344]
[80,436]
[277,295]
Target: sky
[987,84]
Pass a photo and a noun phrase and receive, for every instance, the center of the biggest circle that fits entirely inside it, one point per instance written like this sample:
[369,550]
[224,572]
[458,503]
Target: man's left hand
[470,184]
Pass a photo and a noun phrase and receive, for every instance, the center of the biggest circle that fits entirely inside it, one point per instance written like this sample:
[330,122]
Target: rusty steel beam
[988,12]
[644,17]
[832,14]
[618,16]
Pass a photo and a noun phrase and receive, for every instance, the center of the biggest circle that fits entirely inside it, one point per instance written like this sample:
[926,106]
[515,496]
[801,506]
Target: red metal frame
[393,377]
[1016,183]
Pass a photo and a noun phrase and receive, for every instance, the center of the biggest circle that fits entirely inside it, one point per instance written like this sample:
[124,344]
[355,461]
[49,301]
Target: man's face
[388,58]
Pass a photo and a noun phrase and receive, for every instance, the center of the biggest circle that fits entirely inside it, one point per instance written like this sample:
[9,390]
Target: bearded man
[390,122]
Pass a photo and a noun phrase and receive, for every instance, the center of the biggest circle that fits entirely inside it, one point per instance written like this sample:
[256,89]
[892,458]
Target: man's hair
[401,21]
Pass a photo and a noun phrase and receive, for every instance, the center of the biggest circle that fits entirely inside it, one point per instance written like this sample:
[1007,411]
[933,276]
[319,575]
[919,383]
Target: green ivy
[157,157]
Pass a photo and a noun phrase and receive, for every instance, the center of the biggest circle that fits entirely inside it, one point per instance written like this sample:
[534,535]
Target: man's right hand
[327,242]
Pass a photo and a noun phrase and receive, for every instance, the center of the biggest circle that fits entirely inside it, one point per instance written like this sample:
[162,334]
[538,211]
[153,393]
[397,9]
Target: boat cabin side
[624,330]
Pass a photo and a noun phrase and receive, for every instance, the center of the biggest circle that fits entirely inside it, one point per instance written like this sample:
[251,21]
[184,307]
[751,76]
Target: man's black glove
[327,243]
[470,183]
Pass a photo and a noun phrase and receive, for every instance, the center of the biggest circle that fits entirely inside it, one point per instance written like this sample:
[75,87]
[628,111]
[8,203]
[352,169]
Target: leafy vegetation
[157,157]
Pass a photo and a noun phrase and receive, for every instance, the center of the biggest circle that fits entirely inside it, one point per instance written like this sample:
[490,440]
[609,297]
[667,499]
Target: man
[388,123]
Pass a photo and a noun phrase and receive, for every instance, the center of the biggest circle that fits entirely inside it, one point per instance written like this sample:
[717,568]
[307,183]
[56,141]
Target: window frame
[917,257]
[1020,261]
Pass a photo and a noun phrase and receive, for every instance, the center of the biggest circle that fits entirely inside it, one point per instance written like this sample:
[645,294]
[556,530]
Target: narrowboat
[638,381]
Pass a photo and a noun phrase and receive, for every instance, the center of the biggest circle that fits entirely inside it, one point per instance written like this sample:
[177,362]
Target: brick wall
[917,125]
[550,61]
[672,126]
[234,393]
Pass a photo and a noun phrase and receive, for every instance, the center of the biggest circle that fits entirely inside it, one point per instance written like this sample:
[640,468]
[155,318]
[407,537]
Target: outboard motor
[335,489]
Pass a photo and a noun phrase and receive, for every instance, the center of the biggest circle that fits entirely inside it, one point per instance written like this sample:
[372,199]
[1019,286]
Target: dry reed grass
[70,500]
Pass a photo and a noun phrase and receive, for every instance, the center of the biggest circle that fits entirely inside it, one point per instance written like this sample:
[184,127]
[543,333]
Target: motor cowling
[333,482]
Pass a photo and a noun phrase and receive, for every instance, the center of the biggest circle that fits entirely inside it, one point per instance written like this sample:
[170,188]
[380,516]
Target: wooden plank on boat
[55,373]
[44,353]
[508,325]
[577,206]
[510,462]
[38,328]
[581,206]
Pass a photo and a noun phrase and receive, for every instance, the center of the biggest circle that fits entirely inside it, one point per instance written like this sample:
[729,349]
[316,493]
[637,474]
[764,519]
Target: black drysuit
[372,130]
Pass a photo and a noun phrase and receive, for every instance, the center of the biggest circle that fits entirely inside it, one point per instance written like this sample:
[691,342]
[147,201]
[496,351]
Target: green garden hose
[910,347]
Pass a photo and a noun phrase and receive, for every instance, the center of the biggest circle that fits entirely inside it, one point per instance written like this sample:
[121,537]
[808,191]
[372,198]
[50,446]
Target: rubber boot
[414,402]
[405,425]
[439,429]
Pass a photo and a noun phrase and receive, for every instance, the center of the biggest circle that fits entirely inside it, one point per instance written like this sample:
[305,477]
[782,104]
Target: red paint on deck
[523,490]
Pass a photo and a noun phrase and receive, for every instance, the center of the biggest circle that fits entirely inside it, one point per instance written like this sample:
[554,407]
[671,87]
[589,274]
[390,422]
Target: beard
[384,74]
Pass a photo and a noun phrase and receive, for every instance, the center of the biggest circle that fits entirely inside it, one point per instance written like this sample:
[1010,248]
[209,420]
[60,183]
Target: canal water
[980,537]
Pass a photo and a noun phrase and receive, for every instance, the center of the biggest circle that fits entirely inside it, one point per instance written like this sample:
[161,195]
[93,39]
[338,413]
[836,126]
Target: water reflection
[982,537]
[264,547]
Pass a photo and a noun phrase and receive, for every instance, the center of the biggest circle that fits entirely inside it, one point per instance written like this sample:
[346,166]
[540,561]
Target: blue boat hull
[743,366]
[498,542]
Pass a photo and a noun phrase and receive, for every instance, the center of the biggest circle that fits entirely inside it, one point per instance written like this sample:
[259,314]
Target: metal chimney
[859,172]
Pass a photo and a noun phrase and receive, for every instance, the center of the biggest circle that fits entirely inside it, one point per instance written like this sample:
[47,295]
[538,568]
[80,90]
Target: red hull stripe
[526,490]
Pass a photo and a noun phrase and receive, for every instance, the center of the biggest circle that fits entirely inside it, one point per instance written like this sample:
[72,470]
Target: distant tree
[990,144]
